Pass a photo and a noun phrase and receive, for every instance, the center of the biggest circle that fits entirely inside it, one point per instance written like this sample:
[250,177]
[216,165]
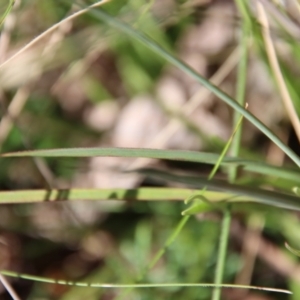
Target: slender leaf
[292,250]
[6,12]
[275,199]
[140,285]
[220,158]
[139,194]
[192,156]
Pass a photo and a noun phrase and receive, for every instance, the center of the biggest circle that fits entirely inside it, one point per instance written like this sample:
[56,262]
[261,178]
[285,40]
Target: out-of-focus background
[85,84]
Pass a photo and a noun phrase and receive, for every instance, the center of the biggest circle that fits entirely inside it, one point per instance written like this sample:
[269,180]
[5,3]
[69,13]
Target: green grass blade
[225,149]
[162,251]
[241,83]
[235,149]
[234,143]
[219,160]
[139,194]
[292,250]
[140,285]
[260,196]
[222,250]
[6,12]
[151,44]
[192,156]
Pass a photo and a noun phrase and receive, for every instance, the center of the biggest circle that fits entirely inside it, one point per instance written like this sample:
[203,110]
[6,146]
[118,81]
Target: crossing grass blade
[260,196]
[139,194]
[102,16]
[191,156]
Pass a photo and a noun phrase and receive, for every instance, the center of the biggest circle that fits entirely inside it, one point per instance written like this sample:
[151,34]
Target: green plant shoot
[196,207]
[6,12]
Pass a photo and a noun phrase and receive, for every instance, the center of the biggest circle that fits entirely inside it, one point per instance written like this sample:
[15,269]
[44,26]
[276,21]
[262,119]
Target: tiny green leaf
[291,249]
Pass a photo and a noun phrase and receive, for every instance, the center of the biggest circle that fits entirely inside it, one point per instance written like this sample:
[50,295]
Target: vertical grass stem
[235,145]
[222,252]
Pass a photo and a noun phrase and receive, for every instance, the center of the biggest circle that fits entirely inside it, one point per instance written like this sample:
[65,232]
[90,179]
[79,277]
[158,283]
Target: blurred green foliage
[128,239]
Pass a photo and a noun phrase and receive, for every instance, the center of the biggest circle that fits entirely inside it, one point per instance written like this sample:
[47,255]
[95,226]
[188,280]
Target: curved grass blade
[296,190]
[260,196]
[291,249]
[192,156]
[151,44]
[139,285]
[220,158]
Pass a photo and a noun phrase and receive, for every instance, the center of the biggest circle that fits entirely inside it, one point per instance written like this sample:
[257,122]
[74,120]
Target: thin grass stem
[51,29]
[235,147]
[275,67]
[7,11]
[241,86]
[137,285]
[225,226]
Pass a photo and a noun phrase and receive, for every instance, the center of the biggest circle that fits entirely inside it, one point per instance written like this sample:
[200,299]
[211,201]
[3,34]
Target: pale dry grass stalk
[271,53]
[51,29]
[283,19]
[21,96]
[9,288]
[297,4]
[58,31]
[18,102]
